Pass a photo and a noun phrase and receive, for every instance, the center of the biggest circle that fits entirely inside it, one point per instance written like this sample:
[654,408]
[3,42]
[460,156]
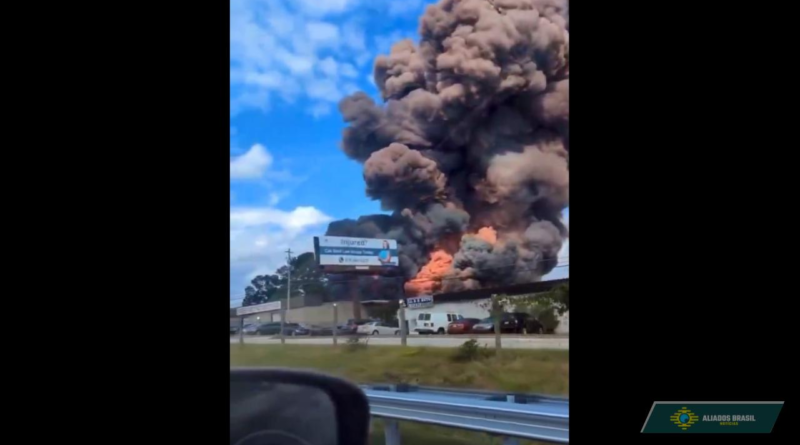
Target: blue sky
[291,63]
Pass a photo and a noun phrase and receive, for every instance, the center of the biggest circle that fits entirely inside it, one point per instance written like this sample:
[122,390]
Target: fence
[513,416]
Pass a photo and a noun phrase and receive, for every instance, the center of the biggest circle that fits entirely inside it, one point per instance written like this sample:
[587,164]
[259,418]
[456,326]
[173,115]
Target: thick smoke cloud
[473,133]
[401,177]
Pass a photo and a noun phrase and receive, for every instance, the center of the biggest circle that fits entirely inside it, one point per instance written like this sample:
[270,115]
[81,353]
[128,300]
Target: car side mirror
[270,406]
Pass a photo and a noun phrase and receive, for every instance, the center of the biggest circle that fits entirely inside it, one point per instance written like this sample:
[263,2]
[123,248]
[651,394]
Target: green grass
[420,434]
[535,371]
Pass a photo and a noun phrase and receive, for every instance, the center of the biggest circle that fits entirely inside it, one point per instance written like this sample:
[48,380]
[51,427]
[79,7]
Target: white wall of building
[317,315]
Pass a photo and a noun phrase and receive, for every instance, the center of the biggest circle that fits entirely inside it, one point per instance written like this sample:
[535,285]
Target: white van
[434,322]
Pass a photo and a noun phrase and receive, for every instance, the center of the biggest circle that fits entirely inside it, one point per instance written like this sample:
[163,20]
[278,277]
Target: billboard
[255,309]
[357,253]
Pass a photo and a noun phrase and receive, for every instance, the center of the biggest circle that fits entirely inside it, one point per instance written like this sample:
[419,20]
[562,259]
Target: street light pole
[335,323]
[402,314]
[289,282]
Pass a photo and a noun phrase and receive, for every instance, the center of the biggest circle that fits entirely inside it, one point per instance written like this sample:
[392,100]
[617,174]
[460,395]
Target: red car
[463,326]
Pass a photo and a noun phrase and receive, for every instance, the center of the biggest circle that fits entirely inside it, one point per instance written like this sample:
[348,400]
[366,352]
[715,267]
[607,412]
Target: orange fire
[429,278]
[488,234]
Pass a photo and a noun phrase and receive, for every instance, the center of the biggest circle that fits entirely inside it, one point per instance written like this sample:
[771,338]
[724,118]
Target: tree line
[308,279]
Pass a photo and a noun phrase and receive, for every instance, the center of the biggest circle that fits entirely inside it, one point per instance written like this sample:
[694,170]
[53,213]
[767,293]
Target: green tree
[543,306]
[307,279]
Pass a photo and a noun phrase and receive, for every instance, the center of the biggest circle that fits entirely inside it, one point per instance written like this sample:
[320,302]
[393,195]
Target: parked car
[234,329]
[379,328]
[271,328]
[351,327]
[250,329]
[486,326]
[301,329]
[521,323]
[435,322]
[274,328]
[534,326]
[463,326]
[307,329]
[321,330]
[514,322]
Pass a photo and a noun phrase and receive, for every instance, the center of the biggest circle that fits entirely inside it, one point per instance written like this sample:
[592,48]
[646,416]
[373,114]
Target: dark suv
[521,322]
[274,328]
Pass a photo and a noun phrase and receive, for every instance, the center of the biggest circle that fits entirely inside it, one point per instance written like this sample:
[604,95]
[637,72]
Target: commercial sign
[419,302]
[356,252]
[255,309]
[712,417]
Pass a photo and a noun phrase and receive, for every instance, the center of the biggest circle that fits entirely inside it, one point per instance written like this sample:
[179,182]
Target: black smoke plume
[473,132]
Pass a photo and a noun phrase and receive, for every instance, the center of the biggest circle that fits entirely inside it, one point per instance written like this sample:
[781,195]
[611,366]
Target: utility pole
[289,282]
[335,323]
[402,316]
[285,311]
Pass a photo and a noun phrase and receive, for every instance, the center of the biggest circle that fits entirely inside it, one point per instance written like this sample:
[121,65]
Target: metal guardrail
[526,416]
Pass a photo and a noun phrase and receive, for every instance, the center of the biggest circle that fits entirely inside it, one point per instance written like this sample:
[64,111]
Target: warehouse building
[305,309]
[475,303]
[310,309]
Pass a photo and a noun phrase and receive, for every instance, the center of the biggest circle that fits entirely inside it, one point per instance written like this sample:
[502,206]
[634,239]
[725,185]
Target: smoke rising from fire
[470,148]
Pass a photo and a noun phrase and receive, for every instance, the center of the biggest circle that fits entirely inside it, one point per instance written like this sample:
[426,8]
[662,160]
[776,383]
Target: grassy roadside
[535,371]
[419,434]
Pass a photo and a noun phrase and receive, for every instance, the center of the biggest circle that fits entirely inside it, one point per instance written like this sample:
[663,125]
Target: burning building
[469,149]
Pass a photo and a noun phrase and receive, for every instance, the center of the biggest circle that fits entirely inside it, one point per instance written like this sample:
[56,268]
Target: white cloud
[348,70]
[259,236]
[383,44]
[297,64]
[324,89]
[299,218]
[274,199]
[251,165]
[270,80]
[350,88]
[321,109]
[353,37]
[322,33]
[363,58]
[282,24]
[405,7]
[329,67]
[325,7]
[279,46]
[257,99]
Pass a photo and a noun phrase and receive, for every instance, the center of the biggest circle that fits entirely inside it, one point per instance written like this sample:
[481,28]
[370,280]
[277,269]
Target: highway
[559,342]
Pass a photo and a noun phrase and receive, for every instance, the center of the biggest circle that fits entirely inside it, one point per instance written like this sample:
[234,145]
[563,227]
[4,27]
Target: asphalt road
[441,341]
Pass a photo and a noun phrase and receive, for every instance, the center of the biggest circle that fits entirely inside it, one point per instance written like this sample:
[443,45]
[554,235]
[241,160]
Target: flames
[468,148]
[488,234]
[430,277]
